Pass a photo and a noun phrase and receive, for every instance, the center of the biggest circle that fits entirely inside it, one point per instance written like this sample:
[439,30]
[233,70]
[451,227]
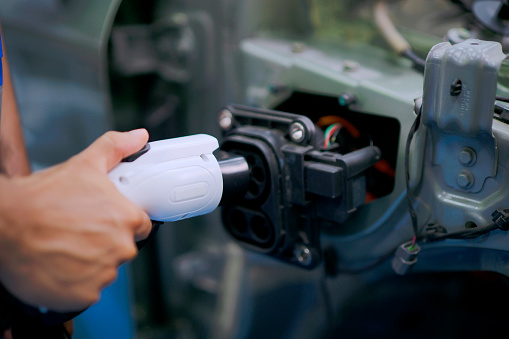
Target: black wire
[503,99]
[409,193]
[329,310]
[418,63]
[474,232]
[430,237]
[462,235]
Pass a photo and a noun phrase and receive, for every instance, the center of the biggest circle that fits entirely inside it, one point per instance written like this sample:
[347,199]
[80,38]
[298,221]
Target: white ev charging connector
[172,179]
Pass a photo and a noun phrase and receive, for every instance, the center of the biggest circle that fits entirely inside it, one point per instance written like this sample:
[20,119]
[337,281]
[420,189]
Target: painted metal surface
[58,54]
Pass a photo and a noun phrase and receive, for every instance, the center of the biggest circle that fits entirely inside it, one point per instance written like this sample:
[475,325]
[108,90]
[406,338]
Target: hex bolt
[225,119]
[297,132]
[346,99]
[456,88]
[467,156]
[303,255]
[465,179]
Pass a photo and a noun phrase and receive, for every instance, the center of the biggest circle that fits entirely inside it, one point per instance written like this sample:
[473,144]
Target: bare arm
[13,155]
[65,230]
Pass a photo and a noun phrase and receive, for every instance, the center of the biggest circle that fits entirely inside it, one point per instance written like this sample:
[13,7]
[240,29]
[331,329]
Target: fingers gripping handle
[172,179]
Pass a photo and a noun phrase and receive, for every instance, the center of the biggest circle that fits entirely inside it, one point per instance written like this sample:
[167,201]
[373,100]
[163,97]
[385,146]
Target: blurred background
[82,67]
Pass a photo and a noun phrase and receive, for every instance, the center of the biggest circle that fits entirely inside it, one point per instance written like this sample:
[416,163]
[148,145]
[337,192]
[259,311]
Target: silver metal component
[464,33]
[417,105]
[465,179]
[303,255]
[467,156]
[225,119]
[459,118]
[346,99]
[297,132]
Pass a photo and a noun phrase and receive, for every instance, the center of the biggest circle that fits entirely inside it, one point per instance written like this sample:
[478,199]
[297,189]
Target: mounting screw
[225,119]
[465,179]
[457,35]
[464,33]
[297,132]
[303,255]
[456,88]
[467,156]
[346,99]
[417,105]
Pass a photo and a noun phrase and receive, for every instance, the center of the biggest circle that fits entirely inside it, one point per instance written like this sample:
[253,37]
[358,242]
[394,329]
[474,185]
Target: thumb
[109,149]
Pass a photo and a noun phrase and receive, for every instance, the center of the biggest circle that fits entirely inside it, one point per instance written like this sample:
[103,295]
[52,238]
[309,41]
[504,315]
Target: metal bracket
[458,103]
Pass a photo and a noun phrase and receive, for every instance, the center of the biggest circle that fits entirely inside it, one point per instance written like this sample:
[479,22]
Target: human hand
[65,230]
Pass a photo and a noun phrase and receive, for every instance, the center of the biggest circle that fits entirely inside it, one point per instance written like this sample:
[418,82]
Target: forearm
[65,230]
[13,155]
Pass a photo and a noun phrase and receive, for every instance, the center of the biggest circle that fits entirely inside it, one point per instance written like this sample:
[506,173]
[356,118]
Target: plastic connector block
[324,180]
[501,219]
[405,257]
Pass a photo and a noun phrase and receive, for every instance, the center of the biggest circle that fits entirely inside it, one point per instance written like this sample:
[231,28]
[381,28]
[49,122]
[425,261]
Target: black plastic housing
[293,184]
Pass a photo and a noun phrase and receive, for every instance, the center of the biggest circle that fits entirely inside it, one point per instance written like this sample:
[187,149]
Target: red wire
[329,135]
[331,119]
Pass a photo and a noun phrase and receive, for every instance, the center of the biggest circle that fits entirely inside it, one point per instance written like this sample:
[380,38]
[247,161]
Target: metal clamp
[460,87]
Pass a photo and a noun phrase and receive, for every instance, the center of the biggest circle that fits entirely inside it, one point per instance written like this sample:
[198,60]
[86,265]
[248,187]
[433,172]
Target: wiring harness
[406,254]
